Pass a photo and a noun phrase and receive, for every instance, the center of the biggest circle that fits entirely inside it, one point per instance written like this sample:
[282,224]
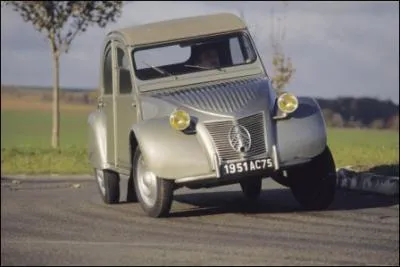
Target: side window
[248,52]
[236,52]
[107,73]
[241,51]
[124,75]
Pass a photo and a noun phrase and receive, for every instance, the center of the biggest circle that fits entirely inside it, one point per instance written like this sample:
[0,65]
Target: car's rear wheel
[108,184]
[314,184]
[154,194]
[251,188]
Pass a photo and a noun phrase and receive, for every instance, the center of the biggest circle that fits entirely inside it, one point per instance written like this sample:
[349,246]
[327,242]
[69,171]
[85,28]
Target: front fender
[303,135]
[169,153]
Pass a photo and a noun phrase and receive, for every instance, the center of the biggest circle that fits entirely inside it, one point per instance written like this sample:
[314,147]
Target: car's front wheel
[154,193]
[314,184]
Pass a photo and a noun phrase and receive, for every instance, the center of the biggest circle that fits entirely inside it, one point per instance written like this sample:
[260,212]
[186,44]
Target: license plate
[246,167]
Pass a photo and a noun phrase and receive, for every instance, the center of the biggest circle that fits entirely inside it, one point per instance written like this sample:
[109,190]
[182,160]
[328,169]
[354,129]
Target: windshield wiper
[163,72]
[203,68]
[199,67]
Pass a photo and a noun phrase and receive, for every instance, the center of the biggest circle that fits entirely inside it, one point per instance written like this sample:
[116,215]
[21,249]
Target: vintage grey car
[188,103]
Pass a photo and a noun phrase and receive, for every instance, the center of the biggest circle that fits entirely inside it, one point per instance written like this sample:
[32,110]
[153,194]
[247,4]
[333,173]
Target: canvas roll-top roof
[176,29]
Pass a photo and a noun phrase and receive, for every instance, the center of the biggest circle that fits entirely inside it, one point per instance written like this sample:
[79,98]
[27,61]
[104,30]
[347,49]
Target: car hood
[232,98]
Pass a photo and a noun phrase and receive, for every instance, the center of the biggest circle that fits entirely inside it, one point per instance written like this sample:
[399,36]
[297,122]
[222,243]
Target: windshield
[193,56]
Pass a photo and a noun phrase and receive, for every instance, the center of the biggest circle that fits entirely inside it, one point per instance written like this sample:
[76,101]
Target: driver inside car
[208,58]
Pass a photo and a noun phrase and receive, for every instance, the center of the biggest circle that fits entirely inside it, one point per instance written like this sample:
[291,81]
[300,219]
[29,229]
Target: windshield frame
[210,71]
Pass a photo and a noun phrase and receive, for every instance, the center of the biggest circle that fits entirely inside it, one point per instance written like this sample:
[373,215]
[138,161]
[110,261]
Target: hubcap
[100,181]
[147,183]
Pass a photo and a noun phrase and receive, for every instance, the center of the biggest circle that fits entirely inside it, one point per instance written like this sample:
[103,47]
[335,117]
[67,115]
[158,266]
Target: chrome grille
[219,132]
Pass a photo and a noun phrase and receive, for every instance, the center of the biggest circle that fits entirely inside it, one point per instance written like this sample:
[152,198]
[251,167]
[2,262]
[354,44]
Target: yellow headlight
[287,103]
[179,120]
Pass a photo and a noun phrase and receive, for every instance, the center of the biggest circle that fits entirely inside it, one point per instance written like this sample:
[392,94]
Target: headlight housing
[179,120]
[287,103]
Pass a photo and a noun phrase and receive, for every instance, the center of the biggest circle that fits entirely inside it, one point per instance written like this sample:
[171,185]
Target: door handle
[101,104]
[134,104]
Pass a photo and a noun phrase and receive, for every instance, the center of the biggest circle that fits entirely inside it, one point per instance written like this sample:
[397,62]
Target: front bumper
[217,174]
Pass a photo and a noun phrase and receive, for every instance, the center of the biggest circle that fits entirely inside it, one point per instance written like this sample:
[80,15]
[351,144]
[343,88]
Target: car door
[106,101]
[125,106]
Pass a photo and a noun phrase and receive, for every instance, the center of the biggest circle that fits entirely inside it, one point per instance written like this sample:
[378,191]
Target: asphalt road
[57,223]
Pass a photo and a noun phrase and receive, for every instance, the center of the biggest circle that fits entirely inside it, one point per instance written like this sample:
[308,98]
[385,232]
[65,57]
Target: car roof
[175,29]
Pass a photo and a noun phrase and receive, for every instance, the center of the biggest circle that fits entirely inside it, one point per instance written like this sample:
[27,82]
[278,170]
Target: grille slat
[218,97]
[219,131]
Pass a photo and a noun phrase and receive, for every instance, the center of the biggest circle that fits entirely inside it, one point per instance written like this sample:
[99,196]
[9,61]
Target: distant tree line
[343,112]
[360,113]
[86,98]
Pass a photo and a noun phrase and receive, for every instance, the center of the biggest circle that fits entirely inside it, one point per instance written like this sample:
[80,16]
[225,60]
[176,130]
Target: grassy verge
[32,128]
[29,160]
[26,135]
[366,150]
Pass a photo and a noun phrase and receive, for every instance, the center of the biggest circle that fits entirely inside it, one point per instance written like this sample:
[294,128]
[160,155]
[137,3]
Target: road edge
[345,178]
[44,177]
[367,182]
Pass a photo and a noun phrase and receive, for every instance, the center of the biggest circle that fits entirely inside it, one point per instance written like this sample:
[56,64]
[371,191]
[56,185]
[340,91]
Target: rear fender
[97,143]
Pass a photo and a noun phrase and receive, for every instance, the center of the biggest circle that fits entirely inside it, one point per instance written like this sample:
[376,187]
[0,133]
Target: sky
[338,49]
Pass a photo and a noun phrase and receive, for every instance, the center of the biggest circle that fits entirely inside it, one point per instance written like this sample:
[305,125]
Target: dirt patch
[33,102]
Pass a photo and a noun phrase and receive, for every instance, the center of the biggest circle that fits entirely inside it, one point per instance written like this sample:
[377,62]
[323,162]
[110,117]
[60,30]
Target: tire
[282,180]
[108,184]
[314,184]
[158,202]
[131,194]
[251,188]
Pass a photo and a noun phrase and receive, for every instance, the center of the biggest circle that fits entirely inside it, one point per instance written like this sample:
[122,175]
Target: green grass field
[33,128]
[366,150]
[26,135]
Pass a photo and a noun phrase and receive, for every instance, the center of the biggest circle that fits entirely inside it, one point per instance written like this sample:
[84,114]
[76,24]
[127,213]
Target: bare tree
[253,28]
[337,120]
[377,124]
[61,22]
[283,69]
[328,114]
[393,122]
